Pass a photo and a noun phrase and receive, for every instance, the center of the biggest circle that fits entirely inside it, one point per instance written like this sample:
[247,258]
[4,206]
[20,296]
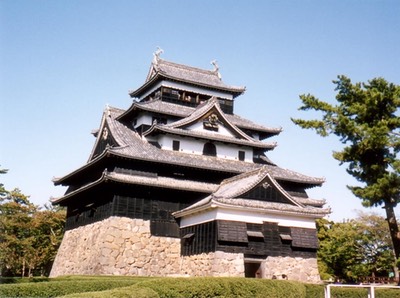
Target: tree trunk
[396,272]
[394,229]
[23,267]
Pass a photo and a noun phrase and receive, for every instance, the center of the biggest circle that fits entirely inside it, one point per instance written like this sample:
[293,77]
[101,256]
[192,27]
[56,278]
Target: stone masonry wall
[117,246]
[305,270]
[124,246]
[213,264]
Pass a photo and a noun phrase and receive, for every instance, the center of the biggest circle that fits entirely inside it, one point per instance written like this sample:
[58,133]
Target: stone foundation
[117,246]
[213,264]
[305,270]
[124,246]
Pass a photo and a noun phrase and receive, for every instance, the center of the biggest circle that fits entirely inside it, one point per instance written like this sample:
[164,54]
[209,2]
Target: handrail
[371,288]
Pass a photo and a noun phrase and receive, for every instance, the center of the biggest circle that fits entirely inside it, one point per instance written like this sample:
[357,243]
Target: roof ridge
[242,175]
[180,65]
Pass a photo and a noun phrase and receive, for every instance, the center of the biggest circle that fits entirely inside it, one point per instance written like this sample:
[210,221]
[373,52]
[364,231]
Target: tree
[375,245]
[3,191]
[48,229]
[29,236]
[16,239]
[367,123]
[355,248]
[337,251]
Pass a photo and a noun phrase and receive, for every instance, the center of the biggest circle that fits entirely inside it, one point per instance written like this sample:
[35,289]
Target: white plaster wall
[256,136]
[249,217]
[143,119]
[222,130]
[232,152]
[191,146]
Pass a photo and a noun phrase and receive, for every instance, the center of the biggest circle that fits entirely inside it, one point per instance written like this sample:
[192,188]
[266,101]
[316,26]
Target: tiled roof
[132,146]
[164,182]
[158,181]
[229,194]
[176,110]
[200,112]
[240,184]
[310,202]
[211,202]
[197,113]
[271,206]
[186,74]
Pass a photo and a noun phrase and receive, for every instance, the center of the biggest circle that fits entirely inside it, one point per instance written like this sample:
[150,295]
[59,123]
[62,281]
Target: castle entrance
[253,268]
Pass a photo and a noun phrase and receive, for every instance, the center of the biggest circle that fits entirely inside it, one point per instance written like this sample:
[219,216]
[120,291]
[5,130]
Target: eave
[93,162]
[235,91]
[175,110]
[211,203]
[158,182]
[229,196]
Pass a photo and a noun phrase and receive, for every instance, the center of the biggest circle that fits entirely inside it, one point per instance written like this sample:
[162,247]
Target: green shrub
[314,290]
[338,292]
[387,293]
[59,288]
[200,287]
[126,292]
[209,287]
[14,280]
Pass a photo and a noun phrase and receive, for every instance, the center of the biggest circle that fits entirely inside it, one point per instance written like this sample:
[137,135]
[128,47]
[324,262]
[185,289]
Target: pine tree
[366,120]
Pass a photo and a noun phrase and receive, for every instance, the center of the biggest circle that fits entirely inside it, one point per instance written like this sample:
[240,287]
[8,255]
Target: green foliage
[59,288]
[338,292]
[104,286]
[29,237]
[314,291]
[14,280]
[3,191]
[365,120]
[224,287]
[145,287]
[126,292]
[387,293]
[367,123]
[356,248]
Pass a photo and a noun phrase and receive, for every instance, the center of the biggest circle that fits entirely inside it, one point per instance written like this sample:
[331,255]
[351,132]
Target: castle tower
[179,184]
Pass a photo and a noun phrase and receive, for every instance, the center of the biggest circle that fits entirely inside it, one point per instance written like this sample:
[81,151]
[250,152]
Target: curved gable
[212,118]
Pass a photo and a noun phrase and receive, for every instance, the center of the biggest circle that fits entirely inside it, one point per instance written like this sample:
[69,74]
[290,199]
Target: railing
[378,280]
[371,288]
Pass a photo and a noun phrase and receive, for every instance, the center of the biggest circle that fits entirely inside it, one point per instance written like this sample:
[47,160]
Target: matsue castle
[180,185]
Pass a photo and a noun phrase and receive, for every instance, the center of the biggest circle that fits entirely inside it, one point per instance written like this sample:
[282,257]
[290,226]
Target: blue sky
[61,62]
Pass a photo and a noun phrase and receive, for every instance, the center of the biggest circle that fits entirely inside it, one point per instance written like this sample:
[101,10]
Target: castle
[180,185]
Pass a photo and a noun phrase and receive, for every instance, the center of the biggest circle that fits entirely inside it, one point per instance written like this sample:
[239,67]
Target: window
[285,237]
[241,155]
[92,212]
[209,149]
[175,145]
[188,239]
[232,231]
[255,234]
[304,238]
